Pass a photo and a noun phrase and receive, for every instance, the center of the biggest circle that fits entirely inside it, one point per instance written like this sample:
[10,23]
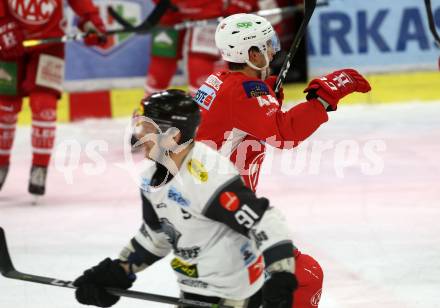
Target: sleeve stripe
[279,251]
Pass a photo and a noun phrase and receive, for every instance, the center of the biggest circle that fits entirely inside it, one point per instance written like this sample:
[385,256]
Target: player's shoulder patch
[255,88]
[205,96]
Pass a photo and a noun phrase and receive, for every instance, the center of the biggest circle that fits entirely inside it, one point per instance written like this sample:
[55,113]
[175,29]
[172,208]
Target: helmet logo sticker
[244,24]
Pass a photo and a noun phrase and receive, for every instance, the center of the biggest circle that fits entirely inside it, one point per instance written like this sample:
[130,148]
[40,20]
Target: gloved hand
[90,286]
[270,81]
[278,290]
[93,25]
[334,86]
[11,39]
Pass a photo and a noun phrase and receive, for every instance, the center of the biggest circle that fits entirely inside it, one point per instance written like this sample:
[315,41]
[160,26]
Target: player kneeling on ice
[196,205]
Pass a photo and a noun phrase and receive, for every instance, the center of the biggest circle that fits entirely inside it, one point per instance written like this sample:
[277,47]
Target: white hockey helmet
[237,33]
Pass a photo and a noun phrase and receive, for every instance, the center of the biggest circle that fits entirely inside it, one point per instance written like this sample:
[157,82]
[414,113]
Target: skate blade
[36,200]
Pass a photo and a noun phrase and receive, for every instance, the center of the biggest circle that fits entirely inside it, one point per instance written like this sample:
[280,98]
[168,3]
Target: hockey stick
[152,20]
[7,270]
[204,22]
[310,6]
[432,22]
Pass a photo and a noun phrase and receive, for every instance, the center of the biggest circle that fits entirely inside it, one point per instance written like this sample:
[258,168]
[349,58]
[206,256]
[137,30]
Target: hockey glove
[334,86]
[11,39]
[270,81]
[93,25]
[278,290]
[90,286]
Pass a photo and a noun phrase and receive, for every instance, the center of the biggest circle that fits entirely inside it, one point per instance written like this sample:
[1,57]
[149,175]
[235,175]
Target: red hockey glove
[93,25]
[270,81]
[334,86]
[11,39]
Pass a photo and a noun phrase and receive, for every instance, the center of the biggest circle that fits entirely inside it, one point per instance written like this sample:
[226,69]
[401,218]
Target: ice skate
[37,180]
[3,174]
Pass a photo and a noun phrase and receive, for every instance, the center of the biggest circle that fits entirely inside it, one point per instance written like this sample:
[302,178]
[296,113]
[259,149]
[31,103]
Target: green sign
[8,78]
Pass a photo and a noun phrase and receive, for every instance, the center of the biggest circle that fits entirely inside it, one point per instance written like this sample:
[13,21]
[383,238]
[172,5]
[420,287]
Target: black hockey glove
[90,286]
[278,290]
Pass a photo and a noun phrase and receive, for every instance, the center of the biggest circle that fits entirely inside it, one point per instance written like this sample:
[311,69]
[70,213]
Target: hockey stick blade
[310,6]
[7,270]
[5,260]
[151,21]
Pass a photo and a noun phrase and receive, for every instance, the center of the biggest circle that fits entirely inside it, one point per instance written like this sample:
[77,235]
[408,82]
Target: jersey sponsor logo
[205,96]
[194,283]
[33,12]
[229,201]
[248,255]
[214,82]
[255,270]
[50,72]
[316,298]
[184,268]
[198,170]
[255,88]
[145,185]
[176,196]
[259,237]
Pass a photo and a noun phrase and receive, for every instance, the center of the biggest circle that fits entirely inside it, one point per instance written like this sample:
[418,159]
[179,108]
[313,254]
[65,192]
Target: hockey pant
[39,76]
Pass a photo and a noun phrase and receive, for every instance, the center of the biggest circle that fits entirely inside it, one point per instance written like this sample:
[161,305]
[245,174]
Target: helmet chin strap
[263,69]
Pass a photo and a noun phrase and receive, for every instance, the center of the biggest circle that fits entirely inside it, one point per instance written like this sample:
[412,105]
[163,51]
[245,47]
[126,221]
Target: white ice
[375,231]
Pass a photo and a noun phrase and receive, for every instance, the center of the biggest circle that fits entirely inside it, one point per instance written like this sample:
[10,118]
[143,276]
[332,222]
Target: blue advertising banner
[373,36]
[124,56]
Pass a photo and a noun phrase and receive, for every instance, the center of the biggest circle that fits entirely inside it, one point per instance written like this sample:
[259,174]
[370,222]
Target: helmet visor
[273,44]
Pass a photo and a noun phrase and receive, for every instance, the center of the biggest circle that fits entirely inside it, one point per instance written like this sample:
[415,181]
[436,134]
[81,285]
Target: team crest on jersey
[205,96]
[197,170]
[255,88]
[33,12]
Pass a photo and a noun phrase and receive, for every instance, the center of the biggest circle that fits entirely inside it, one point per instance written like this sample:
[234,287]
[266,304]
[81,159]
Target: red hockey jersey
[240,115]
[43,18]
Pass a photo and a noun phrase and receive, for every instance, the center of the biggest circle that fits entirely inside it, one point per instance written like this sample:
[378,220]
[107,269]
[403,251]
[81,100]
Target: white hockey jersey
[220,233]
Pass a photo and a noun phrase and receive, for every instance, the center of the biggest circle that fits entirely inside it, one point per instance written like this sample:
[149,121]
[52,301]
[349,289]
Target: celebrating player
[241,113]
[222,236]
[35,72]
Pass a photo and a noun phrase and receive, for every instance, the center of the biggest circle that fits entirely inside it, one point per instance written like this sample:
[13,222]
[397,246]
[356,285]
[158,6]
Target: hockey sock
[43,107]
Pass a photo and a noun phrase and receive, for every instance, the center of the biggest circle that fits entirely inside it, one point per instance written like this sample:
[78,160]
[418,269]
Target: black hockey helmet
[173,108]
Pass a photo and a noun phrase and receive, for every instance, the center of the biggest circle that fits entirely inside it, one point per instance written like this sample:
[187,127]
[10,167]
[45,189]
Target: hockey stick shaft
[7,270]
[310,6]
[431,22]
[203,22]
[151,21]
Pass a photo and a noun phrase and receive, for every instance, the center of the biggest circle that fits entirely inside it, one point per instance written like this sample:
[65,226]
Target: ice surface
[376,235]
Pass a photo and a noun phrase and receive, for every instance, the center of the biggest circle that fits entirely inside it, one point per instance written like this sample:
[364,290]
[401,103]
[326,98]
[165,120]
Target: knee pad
[9,108]
[43,106]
